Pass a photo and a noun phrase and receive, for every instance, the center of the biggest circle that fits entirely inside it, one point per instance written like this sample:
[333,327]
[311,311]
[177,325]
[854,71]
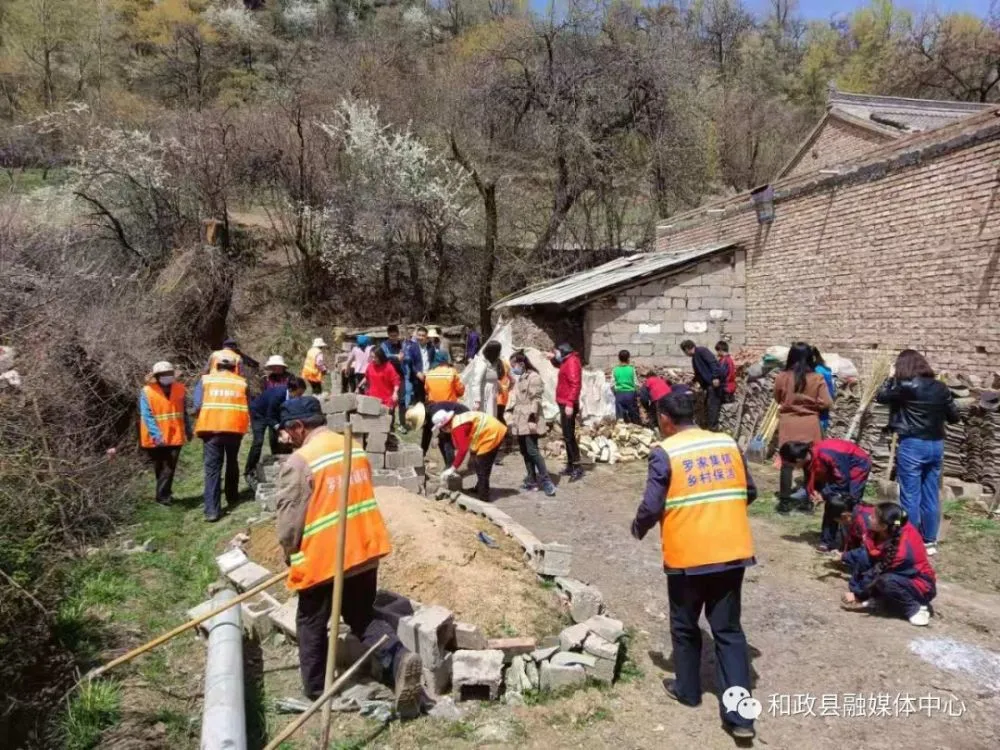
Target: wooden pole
[338,580]
[186,626]
[324,700]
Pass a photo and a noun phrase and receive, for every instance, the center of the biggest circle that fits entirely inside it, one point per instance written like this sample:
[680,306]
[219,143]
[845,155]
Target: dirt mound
[438,559]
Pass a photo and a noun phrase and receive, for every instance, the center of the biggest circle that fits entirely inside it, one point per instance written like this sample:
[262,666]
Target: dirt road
[807,653]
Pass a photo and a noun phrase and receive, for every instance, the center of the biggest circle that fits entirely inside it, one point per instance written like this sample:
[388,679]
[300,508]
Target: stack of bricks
[393,464]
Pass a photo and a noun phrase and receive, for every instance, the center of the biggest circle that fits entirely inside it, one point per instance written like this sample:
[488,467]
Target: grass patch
[592,716]
[94,707]
[460,730]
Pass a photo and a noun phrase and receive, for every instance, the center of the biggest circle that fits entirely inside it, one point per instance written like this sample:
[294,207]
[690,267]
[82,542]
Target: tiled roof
[896,114]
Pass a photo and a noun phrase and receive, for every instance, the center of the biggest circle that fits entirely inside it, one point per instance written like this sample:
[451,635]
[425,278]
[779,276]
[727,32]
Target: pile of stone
[614,442]
[457,656]
[393,464]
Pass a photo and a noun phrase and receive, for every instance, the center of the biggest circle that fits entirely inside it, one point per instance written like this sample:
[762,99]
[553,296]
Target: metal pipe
[223,722]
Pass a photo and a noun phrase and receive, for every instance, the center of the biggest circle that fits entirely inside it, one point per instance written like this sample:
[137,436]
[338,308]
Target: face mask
[557,358]
[165,379]
[519,371]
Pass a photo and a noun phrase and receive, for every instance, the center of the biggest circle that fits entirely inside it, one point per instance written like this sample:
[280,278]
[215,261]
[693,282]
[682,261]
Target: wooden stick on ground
[277,577]
[325,698]
[338,580]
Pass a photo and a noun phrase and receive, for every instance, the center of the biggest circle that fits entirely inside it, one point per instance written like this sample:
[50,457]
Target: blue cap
[300,408]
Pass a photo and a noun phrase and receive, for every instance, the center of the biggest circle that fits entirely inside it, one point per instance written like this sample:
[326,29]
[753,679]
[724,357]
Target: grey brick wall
[836,143]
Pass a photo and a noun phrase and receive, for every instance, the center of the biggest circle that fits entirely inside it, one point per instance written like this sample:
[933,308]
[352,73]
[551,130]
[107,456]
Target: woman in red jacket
[382,381]
[568,387]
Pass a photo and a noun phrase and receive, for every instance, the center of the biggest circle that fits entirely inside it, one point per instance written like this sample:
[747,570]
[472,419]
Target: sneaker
[921,618]
[408,691]
[549,488]
[931,548]
[528,486]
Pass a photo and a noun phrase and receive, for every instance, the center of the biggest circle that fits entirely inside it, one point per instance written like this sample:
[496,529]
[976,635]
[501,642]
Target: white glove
[449,472]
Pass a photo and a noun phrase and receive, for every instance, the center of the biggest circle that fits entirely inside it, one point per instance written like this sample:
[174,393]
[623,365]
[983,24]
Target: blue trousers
[720,595]
[918,471]
[221,448]
[627,407]
[897,593]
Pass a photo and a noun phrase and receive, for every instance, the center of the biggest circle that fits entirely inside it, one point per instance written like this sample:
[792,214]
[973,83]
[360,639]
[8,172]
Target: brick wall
[704,303]
[836,142]
[902,257]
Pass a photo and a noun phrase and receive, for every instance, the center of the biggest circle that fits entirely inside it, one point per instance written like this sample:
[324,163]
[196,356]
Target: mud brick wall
[904,252]
[704,303]
[836,142]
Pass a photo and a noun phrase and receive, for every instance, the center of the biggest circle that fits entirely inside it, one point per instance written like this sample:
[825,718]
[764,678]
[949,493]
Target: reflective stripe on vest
[310,372]
[223,404]
[487,431]
[168,413]
[705,514]
[366,534]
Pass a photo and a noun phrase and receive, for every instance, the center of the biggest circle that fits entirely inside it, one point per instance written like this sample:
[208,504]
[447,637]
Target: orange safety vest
[487,431]
[367,538]
[310,370]
[168,413]
[223,404]
[503,394]
[705,517]
[443,384]
[213,360]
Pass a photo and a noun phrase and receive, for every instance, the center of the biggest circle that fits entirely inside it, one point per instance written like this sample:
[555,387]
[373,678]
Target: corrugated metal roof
[616,273]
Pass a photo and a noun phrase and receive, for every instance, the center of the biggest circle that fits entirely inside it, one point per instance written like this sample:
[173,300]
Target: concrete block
[968,490]
[364,425]
[337,422]
[553,559]
[584,601]
[554,677]
[528,541]
[267,496]
[248,575]
[649,328]
[368,405]
[545,653]
[512,647]
[376,460]
[283,617]
[427,632]
[344,402]
[437,680]
[384,478]
[497,516]
[468,637]
[573,637]
[256,614]
[471,505]
[477,675]
[409,479]
[601,648]
[607,628]
[202,609]
[695,326]
[381,442]
[230,560]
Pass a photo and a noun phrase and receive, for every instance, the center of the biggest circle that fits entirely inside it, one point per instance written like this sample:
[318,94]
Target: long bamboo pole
[277,577]
[338,581]
[325,698]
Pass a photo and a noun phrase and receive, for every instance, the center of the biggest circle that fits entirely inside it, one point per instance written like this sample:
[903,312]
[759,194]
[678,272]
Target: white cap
[275,360]
[433,334]
[441,418]
[226,359]
[163,367]
[319,342]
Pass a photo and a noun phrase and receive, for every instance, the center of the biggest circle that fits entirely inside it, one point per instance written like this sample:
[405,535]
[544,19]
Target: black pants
[358,611]
[650,406]
[316,387]
[786,479]
[164,464]
[627,407]
[259,428]
[714,408]
[719,594]
[534,462]
[447,448]
[505,445]
[830,533]
[568,424]
[221,448]
[484,467]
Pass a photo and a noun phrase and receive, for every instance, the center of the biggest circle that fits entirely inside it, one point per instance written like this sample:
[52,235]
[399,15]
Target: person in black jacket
[709,375]
[919,407]
[265,416]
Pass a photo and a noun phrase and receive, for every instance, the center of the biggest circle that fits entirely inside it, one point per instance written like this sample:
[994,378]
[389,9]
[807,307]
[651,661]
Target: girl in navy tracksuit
[893,568]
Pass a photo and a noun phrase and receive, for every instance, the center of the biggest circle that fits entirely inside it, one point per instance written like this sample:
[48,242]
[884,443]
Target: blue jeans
[627,407]
[918,471]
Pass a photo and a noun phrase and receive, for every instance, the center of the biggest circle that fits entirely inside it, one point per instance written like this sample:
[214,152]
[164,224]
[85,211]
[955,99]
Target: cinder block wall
[836,143]
[705,303]
[908,258]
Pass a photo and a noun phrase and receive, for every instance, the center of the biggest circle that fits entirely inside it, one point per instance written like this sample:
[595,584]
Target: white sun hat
[275,360]
[441,418]
[319,342]
[162,367]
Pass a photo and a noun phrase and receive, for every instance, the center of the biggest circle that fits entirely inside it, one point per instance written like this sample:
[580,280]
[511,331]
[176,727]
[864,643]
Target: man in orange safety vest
[164,426]
[308,497]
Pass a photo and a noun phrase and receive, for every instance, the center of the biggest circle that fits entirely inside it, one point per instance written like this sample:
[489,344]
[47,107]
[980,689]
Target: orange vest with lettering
[367,538]
[310,370]
[705,518]
[223,404]
[168,413]
[443,384]
[213,360]
[487,431]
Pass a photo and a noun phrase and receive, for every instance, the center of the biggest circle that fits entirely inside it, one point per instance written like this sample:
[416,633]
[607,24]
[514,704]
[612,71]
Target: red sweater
[570,380]
[729,369]
[383,380]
